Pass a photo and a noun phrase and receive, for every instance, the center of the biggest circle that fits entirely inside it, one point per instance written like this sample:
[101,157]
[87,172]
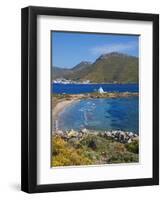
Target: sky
[70,48]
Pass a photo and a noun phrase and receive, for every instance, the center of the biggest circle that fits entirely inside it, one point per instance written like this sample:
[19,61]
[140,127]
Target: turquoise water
[101,114]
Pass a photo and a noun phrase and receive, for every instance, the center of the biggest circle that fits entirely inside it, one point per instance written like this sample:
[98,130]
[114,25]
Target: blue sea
[86,88]
[100,114]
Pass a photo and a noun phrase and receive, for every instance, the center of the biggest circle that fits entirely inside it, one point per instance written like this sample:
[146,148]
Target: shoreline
[62,101]
[116,135]
[92,83]
[60,106]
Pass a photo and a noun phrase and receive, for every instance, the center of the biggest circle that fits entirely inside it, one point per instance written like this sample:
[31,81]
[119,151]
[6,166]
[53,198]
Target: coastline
[62,101]
[60,106]
[90,147]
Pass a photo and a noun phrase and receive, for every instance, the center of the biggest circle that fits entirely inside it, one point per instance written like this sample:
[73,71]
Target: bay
[101,114]
[104,114]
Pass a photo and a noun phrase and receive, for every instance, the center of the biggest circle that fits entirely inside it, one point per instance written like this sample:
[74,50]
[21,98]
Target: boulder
[84,130]
[72,133]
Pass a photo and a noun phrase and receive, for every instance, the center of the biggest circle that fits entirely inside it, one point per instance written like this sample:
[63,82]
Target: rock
[72,133]
[130,134]
[84,130]
[117,135]
[108,133]
[129,141]
[135,138]
[121,137]
[59,132]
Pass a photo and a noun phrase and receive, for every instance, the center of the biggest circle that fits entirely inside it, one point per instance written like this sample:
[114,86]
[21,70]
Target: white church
[100,90]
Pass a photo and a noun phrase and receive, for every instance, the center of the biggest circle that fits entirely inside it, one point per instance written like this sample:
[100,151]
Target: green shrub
[92,149]
[122,158]
[133,147]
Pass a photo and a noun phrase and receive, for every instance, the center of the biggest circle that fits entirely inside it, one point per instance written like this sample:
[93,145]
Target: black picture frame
[29,99]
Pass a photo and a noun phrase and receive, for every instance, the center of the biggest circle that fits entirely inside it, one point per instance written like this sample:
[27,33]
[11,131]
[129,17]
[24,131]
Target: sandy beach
[59,103]
[60,106]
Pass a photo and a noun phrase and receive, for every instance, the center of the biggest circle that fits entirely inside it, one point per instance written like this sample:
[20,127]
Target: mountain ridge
[110,67]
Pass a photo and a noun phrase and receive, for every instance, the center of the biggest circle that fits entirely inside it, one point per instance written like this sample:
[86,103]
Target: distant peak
[116,54]
[112,54]
[85,62]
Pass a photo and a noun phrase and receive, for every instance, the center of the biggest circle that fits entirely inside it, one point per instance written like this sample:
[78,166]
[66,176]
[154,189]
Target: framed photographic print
[90,99]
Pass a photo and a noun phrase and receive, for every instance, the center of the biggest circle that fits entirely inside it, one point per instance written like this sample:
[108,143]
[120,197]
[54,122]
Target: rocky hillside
[112,67]
[91,148]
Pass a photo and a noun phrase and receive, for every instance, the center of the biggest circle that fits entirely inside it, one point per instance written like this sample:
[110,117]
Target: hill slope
[59,72]
[111,67]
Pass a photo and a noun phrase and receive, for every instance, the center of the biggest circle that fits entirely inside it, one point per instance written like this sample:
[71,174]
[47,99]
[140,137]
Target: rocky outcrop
[117,135]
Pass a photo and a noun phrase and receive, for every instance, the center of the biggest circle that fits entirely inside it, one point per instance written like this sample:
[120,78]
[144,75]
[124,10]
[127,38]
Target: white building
[100,90]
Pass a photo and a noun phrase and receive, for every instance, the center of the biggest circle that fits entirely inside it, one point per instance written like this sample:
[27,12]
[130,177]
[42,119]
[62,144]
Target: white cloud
[119,47]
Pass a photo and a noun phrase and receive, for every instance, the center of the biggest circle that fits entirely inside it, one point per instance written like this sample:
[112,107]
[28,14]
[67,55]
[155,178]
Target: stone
[129,141]
[84,130]
[72,133]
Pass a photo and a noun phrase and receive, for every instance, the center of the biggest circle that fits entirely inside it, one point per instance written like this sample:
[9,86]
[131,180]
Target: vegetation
[113,67]
[92,149]
[133,147]
[64,154]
